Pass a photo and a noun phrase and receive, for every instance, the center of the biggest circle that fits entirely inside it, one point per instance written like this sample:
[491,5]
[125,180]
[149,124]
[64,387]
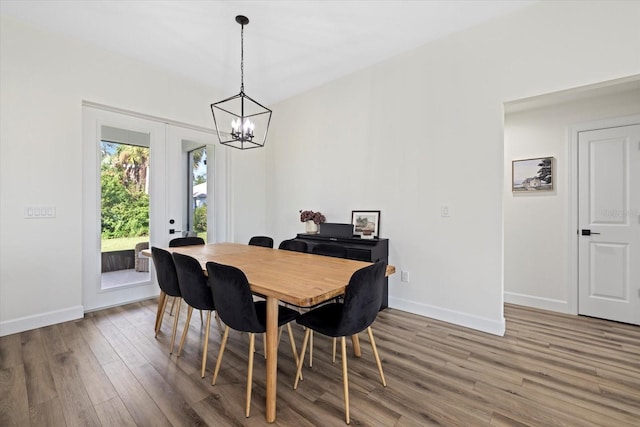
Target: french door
[192,159]
[167,188]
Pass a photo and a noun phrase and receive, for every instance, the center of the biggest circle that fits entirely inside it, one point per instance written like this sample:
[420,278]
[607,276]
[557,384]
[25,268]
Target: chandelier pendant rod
[242,57]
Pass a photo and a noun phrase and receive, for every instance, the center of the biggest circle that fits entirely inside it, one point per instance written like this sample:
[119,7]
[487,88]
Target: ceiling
[290,46]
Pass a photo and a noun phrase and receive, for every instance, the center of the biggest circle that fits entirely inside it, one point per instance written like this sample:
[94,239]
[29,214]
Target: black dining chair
[329,249]
[293,245]
[263,241]
[233,297]
[186,241]
[197,294]
[332,250]
[168,282]
[362,301]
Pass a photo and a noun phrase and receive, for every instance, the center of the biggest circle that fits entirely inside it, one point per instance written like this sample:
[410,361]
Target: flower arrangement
[316,217]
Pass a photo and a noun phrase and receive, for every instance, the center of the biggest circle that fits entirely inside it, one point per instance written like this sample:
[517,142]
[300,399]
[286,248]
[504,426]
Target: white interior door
[609,223]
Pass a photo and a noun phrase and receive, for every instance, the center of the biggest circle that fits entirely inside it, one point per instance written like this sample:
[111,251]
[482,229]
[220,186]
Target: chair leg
[311,350]
[219,323]
[333,360]
[301,358]
[223,344]
[252,341]
[206,343]
[201,319]
[172,304]
[293,345]
[375,354]
[162,303]
[264,344]
[186,328]
[356,345]
[345,378]
[175,326]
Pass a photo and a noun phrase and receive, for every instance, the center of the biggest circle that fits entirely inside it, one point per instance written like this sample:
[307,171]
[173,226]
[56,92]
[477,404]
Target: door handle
[586,232]
[173,230]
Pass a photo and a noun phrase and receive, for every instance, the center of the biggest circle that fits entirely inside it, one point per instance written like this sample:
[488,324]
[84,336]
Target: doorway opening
[540,257]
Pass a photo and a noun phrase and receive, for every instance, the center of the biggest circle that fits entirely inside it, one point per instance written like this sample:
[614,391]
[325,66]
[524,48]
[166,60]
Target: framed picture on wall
[532,174]
[366,224]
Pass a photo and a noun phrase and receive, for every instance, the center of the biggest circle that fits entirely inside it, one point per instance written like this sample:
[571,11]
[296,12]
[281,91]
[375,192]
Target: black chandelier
[240,121]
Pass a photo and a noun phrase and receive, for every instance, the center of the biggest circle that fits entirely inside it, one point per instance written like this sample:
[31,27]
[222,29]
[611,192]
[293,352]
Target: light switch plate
[39,211]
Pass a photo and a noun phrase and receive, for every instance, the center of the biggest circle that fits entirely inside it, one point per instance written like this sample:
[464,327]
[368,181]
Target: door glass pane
[124,208]
[197,194]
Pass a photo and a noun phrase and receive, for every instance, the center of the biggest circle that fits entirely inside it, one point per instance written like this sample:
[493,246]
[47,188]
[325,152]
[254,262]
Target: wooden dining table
[301,279]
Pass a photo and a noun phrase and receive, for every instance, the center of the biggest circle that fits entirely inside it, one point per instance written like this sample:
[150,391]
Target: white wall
[425,129]
[537,226]
[44,78]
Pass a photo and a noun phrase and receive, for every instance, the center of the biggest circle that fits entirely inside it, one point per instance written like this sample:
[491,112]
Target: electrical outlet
[404,276]
[444,211]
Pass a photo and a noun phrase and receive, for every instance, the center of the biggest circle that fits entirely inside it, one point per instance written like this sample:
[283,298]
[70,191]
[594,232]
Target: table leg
[272,357]
[356,346]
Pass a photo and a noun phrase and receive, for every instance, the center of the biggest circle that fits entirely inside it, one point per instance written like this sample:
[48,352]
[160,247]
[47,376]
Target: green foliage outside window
[200,219]
[125,204]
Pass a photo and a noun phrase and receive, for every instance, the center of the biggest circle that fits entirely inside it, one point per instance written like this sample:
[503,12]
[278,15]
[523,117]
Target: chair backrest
[329,249]
[293,245]
[233,297]
[140,246]
[186,241]
[193,283]
[141,262]
[166,271]
[264,241]
[362,299]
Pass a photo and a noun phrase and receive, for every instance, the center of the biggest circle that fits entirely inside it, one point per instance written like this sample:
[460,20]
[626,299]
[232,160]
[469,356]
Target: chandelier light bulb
[247,131]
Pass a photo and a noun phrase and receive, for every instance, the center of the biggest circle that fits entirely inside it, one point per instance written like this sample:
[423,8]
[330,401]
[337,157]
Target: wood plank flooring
[108,369]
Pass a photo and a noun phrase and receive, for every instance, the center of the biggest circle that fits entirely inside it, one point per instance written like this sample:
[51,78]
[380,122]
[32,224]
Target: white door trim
[135,114]
[574,130]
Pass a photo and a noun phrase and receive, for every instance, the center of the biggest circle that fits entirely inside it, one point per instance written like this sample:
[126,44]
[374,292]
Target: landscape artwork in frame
[532,175]
[366,224]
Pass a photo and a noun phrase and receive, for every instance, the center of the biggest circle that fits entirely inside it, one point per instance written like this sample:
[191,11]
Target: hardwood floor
[108,369]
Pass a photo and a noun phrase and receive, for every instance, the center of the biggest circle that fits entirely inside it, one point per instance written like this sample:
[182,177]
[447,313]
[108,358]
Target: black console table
[370,250]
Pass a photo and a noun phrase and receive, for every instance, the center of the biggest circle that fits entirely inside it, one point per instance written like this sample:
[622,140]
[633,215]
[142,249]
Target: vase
[310,227]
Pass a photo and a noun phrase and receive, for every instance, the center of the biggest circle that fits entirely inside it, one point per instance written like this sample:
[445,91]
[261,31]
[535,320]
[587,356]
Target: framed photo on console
[366,224]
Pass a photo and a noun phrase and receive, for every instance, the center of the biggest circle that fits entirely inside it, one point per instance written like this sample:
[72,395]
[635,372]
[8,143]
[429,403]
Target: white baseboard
[537,302]
[495,327]
[27,323]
